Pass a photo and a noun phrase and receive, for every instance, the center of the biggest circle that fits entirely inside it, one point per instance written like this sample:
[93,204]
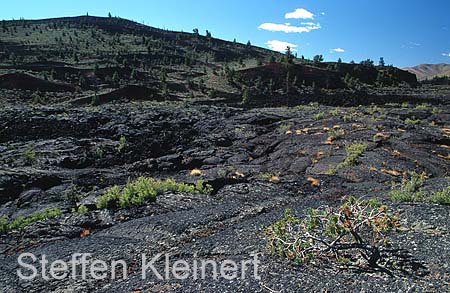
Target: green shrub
[436,110]
[82,209]
[212,93]
[3,225]
[21,223]
[72,193]
[422,106]
[353,152]
[29,155]
[122,144]
[311,106]
[319,116]
[284,127]
[99,152]
[222,173]
[334,112]
[137,192]
[336,133]
[347,118]
[356,228]
[410,190]
[412,121]
[246,97]
[441,197]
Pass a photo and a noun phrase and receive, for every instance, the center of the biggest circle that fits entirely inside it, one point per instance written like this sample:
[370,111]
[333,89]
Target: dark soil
[172,124]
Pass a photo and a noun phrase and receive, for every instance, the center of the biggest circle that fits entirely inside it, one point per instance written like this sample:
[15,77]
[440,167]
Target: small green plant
[285,127]
[331,171]
[246,97]
[410,190]
[122,144]
[21,223]
[319,116]
[356,228]
[334,112]
[336,133]
[82,209]
[222,173]
[311,106]
[4,225]
[72,194]
[422,106]
[29,156]
[137,192]
[374,109]
[441,197]
[271,177]
[212,93]
[99,152]
[412,121]
[436,110]
[266,175]
[353,152]
[347,118]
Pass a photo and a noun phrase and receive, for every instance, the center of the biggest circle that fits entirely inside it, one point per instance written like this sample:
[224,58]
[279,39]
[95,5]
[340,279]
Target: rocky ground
[259,162]
[92,102]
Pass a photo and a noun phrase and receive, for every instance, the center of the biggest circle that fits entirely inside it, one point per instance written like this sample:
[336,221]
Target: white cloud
[446,54]
[338,50]
[299,13]
[288,28]
[280,46]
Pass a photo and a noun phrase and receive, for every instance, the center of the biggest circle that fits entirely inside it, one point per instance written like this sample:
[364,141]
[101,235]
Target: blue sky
[404,32]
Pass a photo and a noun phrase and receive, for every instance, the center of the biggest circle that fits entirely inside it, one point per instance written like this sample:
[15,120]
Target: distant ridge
[427,71]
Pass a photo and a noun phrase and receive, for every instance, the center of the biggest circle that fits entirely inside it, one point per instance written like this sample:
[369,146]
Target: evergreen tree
[288,57]
[317,59]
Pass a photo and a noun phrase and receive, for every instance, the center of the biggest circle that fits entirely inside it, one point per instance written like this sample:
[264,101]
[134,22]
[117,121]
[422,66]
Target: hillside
[121,140]
[428,71]
[100,55]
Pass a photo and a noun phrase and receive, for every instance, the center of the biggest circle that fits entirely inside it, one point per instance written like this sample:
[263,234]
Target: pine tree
[288,57]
